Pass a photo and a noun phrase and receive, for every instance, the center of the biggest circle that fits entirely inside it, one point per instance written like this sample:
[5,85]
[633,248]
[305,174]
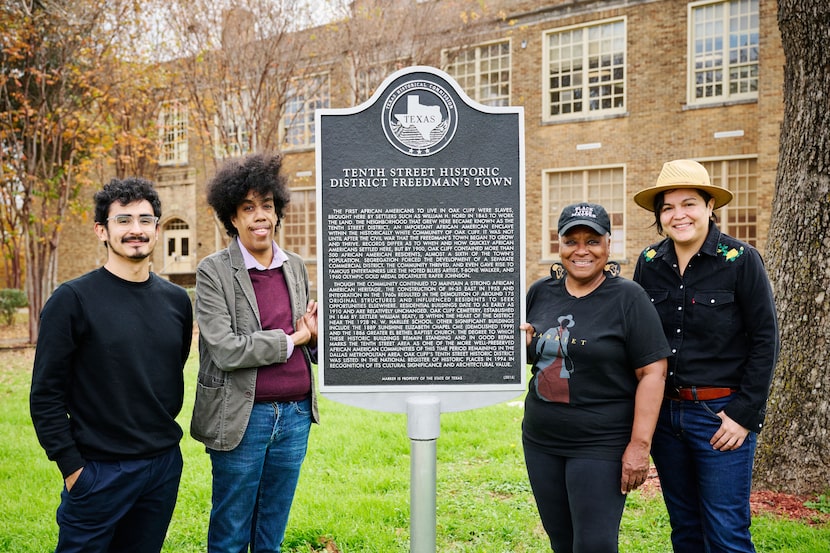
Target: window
[604,186]
[585,71]
[304,97]
[232,127]
[297,228]
[176,246]
[723,51]
[483,72]
[173,133]
[739,218]
[367,80]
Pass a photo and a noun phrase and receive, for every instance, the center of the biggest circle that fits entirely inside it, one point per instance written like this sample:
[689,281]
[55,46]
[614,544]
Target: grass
[353,495]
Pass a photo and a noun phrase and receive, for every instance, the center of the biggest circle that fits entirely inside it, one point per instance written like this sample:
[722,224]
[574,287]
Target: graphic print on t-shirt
[556,365]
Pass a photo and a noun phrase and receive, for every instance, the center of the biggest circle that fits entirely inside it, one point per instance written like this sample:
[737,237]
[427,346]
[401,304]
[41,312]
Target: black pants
[579,501]
[120,506]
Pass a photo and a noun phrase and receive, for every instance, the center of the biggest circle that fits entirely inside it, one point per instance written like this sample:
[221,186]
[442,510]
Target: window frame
[369,79]
[310,221]
[726,65]
[175,150]
[618,232]
[500,100]
[319,98]
[235,110]
[586,112]
[741,197]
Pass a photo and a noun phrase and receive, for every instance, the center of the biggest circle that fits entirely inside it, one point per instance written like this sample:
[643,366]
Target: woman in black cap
[599,362]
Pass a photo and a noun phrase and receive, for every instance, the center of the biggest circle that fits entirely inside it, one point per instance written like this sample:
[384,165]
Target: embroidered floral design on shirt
[731,254]
[650,254]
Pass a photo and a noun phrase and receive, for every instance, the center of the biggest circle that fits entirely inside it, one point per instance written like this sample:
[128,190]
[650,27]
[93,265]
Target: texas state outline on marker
[423,118]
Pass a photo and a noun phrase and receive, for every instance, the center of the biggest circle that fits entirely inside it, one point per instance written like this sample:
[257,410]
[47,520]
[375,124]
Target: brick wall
[658,125]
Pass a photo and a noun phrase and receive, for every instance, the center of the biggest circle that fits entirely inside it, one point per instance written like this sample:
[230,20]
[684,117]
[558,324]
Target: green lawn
[354,490]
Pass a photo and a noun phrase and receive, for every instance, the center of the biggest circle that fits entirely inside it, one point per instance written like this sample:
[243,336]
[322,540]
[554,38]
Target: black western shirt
[719,318]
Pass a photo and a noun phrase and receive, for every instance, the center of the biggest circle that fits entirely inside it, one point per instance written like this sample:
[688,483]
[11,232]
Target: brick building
[611,89]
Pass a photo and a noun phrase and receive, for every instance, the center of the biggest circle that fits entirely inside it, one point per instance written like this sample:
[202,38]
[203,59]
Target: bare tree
[239,66]
[133,117]
[379,37]
[382,36]
[794,449]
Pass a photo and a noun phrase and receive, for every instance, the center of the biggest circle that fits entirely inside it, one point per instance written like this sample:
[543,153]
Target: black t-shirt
[584,354]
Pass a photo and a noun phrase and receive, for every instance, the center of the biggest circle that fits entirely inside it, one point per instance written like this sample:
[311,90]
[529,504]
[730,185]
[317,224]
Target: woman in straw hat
[716,304]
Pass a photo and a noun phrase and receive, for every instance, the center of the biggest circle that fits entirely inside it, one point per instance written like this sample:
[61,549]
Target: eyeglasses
[127,220]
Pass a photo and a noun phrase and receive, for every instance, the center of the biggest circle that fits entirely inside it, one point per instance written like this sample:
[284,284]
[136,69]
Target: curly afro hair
[232,182]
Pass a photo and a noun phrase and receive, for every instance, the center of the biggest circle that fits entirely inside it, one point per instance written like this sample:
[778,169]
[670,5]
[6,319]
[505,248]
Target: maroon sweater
[289,381]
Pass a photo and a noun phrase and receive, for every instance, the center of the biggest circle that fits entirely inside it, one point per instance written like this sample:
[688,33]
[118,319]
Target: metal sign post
[423,418]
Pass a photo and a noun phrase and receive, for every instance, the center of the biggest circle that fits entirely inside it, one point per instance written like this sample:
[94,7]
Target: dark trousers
[120,506]
[579,501]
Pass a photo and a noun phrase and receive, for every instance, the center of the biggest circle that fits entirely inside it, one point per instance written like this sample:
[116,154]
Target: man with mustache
[107,384]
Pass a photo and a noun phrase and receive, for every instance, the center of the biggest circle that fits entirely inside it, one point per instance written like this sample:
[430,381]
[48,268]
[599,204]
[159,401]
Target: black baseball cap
[590,215]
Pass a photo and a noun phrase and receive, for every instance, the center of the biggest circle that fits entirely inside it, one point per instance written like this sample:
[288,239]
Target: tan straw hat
[682,173]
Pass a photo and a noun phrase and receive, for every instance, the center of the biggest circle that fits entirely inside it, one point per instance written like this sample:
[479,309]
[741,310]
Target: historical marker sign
[420,239]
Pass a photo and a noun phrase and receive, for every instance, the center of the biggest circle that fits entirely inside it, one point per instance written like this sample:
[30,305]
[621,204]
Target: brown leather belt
[694,393]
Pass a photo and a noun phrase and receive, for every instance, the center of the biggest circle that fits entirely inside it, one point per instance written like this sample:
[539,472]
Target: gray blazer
[232,344]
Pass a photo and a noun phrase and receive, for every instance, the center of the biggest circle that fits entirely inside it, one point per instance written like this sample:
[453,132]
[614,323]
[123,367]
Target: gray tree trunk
[794,448]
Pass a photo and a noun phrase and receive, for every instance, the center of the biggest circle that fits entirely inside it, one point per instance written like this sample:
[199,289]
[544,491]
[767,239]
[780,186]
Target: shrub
[11,299]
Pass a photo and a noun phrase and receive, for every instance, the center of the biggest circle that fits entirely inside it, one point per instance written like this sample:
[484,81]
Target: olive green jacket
[232,344]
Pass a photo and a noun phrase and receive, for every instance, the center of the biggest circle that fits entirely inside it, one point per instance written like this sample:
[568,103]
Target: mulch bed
[763,502]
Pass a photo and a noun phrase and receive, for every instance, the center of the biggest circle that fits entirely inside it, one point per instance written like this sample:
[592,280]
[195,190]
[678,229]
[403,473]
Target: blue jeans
[122,506]
[253,484]
[706,490]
